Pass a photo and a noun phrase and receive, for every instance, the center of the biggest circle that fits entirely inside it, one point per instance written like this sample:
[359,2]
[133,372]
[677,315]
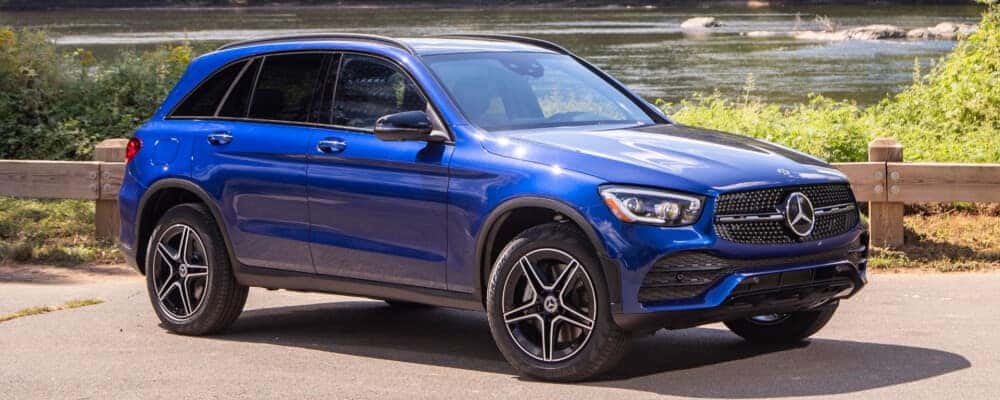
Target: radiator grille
[775,231]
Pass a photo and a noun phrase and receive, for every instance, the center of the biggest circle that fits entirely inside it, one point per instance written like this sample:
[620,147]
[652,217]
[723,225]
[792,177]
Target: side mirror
[409,125]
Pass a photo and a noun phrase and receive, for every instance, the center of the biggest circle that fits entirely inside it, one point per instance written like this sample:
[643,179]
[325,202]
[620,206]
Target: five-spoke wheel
[549,305]
[188,274]
[180,271]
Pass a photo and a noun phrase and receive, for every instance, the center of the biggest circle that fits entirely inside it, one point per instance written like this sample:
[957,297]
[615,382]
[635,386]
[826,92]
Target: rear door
[251,156]
[377,209]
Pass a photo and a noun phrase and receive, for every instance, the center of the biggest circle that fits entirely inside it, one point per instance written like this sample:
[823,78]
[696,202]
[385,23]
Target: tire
[212,299]
[584,355]
[790,328]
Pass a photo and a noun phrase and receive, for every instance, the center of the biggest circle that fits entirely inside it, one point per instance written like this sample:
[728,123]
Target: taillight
[134,144]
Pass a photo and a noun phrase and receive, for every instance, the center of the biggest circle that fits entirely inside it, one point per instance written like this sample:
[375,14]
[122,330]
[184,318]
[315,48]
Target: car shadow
[700,362]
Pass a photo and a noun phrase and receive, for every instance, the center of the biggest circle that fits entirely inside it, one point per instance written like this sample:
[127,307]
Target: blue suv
[481,172]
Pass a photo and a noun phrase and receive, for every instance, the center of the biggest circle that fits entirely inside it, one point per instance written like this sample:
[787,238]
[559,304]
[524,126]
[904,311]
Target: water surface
[644,47]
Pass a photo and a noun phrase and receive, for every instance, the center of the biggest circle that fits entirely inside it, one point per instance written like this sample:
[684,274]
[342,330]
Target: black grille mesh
[690,273]
[775,231]
[766,200]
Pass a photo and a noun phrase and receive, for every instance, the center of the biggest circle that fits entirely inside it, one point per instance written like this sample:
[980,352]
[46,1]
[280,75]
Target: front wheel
[783,328]
[188,274]
[548,306]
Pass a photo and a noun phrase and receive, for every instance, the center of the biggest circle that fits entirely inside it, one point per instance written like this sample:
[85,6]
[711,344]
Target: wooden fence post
[106,216]
[886,217]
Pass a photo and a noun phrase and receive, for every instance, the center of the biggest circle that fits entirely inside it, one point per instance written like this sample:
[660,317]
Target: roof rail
[545,44]
[321,36]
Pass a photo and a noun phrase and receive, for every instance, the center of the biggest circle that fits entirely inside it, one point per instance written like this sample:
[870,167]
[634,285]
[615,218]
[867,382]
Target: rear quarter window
[203,101]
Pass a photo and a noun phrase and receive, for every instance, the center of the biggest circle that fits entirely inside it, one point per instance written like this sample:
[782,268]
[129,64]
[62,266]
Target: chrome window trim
[436,115]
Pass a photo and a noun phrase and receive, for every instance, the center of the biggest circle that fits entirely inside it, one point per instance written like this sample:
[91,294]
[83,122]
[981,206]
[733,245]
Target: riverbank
[20,5]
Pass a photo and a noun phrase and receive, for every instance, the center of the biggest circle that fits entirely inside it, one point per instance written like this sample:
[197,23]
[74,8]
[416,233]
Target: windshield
[504,91]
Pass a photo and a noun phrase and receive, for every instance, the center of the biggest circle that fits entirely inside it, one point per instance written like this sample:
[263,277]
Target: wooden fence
[885,182]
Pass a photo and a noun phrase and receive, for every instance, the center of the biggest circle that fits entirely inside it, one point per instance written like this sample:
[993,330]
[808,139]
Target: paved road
[913,336]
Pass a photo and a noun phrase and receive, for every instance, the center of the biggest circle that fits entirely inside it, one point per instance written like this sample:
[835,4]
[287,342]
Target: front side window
[203,101]
[369,88]
[521,90]
[286,86]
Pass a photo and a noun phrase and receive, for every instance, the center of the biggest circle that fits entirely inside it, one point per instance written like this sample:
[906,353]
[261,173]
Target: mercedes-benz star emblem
[799,214]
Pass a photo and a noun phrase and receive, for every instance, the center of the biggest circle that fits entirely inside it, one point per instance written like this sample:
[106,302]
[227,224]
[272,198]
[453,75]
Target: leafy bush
[951,114]
[59,105]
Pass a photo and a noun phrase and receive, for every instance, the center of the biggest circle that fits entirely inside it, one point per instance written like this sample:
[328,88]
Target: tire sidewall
[194,218]
[506,261]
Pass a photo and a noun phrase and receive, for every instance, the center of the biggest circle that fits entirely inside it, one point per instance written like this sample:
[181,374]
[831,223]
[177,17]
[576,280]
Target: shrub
[59,105]
[951,114]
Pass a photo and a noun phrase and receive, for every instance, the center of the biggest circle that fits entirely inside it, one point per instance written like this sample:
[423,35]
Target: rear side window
[203,101]
[370,88]
[239,96]
[286,86]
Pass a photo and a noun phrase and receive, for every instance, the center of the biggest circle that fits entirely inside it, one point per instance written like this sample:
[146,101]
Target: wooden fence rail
[885,182]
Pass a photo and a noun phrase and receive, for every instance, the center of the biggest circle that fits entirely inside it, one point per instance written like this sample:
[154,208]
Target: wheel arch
[162,195]
[489,240]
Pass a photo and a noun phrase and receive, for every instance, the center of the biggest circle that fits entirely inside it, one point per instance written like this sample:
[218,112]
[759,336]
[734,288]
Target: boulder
[945,30]
[920,33]
[763,34]
[700,23]
[966,29]
[875,32]
[816,35]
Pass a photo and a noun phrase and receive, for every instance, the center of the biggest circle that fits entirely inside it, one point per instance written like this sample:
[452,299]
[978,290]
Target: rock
[815,35]
[920,33]
[875,32]
[763,34]
[965,30]
[945,30]
[700,23]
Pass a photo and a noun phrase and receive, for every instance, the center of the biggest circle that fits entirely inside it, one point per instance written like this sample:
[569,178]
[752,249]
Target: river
[643,47]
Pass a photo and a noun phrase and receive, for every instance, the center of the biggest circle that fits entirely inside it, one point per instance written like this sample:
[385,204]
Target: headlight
[649,206]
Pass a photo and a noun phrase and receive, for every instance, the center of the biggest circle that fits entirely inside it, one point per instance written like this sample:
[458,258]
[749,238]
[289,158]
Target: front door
[377,209]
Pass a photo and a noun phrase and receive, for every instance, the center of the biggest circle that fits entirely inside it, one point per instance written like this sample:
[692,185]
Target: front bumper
[760,292]
[752,287]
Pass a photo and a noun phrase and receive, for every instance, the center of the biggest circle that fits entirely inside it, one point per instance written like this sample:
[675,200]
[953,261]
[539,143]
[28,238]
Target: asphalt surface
[912,336]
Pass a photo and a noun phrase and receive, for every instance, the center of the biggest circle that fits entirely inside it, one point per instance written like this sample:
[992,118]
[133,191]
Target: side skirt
[301,281]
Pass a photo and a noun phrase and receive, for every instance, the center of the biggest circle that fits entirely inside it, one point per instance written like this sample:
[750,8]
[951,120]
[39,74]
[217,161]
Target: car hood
[668,156]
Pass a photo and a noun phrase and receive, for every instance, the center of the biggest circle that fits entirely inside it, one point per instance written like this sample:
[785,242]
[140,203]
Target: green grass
[58,232]
[47,309]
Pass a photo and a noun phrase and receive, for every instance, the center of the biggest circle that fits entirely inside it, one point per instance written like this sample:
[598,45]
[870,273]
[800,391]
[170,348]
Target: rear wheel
[188,274]
[548,306]
[783,328]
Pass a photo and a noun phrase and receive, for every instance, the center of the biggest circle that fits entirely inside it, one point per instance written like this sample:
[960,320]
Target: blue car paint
[457,184]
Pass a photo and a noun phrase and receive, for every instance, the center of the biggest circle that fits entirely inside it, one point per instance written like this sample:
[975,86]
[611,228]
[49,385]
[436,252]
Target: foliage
[59,105]
[951,114]
[833,130]
[51,231]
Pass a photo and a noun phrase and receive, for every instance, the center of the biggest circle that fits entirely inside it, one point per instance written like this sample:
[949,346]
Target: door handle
[331,145]
[219,138]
